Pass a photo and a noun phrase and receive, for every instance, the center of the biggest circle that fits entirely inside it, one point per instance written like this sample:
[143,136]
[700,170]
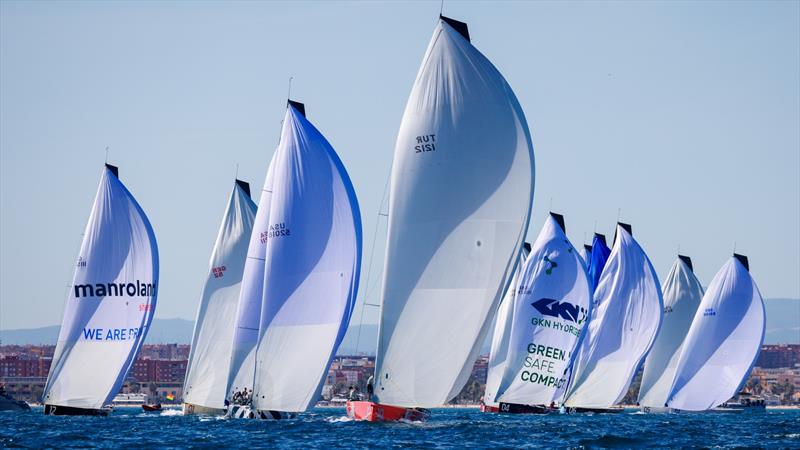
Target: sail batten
[110,304]
[460,198]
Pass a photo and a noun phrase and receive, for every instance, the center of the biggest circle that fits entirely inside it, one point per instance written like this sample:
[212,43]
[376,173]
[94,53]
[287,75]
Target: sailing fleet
[570,328]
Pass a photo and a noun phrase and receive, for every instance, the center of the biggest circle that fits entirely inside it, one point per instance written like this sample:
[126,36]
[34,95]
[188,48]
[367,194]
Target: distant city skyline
[681,118]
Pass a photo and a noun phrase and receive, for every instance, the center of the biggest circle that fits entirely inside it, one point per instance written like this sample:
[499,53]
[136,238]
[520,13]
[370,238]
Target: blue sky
[683,115]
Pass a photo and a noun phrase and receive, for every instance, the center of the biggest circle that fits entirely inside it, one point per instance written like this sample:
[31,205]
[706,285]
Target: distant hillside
[783,321]
[162,331]
[783,327]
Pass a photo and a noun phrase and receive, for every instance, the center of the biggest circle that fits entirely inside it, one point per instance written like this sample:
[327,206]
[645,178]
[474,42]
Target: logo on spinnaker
[564,310]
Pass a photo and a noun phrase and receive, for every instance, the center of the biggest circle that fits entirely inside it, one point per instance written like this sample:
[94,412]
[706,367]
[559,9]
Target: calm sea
[448,428]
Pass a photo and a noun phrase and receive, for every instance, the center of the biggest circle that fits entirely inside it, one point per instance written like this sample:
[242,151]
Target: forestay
[251,297]
[502,332]
[212,340]
[111,301]
[460,199]
[682,293]
[622,327]
[313,257]
[551,307]
[723,341]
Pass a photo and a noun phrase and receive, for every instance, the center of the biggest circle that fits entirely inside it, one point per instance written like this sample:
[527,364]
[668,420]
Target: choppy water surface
[448,428]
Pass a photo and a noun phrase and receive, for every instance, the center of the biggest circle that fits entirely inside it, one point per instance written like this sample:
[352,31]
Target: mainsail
[622,327]
[212,340]
[682,293]
[110,303]
[599,256]
[312,264]
[251,297]
[460,199]
[723,341]
[550,309]
[502,332]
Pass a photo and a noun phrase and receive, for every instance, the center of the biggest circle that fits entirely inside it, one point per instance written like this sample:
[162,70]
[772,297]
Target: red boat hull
[376,412]
[489,409]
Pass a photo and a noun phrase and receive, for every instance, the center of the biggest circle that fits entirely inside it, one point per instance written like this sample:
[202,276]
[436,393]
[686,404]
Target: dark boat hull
[57,410]
[513,408]
[246,412]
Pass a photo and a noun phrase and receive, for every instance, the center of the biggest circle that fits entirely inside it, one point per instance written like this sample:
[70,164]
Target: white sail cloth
[460,199]
[723,341]
[682,293]
[251,297]
[110,304]
[622,327]
[212,341]
[498,351]
[312,266]
[551,308]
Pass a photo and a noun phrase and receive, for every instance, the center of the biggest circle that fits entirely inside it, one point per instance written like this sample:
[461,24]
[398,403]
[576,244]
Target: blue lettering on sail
[113,334]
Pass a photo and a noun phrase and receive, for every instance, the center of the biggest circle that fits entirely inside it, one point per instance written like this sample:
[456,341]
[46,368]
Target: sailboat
[723,342]
[498,351]
[242,366]
[205,385]
[311,270]
[599,255]
[110,305]
[460,199]
[625,319]
[682,293]
[586,254]
[550,311]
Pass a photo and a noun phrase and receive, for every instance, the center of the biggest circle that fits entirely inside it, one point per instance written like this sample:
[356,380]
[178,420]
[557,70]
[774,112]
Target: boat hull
[189,409]
[246,412]
[489,409]
[151,408]
[595,410]
[514,408]
[376,412]
[9,404]
[57,410]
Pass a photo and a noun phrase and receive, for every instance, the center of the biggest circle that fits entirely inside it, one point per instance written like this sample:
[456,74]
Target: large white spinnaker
[460,200]
[212,341]
[552,304]
[723,341]
[251,297]
[623,324]
[110,304]
[682,293]
[312,268]
[502,332]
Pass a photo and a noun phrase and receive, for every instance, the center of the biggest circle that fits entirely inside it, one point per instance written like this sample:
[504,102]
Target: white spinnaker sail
[110,304]
[501,335]
[586,255]
[460,199]
[723,341]
[312,268]
[623,324]
[212,341]
[551,307]
[682,293]
[251,297]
